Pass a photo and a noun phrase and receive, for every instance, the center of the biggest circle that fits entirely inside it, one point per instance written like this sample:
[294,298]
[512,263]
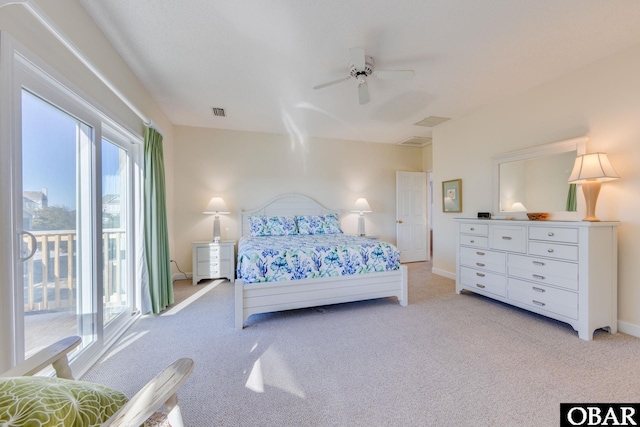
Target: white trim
[629,328]
[443,273]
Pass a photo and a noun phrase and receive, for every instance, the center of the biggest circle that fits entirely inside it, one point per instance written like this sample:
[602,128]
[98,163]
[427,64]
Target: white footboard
[277,296]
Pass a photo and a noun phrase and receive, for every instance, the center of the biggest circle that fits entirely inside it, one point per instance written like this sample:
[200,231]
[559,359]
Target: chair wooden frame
[160,391]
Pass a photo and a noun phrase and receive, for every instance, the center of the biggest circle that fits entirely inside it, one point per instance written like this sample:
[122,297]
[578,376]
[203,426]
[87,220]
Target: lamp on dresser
[590,170]
[216,207]
[361,206]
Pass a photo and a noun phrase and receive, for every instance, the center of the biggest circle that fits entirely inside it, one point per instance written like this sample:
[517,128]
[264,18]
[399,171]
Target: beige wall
[602,101]
[427,158]
[248,169]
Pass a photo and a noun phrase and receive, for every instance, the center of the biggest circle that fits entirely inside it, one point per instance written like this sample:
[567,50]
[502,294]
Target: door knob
[399,221]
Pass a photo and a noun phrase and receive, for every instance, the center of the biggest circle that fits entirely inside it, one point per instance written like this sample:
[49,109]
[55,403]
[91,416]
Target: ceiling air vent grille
[432,121]
[416,141]
[219,112]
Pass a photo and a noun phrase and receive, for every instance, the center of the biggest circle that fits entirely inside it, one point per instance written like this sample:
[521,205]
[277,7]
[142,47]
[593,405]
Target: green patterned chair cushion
[40,402]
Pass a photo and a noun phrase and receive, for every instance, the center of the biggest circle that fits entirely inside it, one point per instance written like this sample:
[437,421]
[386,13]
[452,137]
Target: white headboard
[284,205]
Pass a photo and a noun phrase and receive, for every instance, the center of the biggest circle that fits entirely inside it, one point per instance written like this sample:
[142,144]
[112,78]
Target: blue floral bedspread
[277,258]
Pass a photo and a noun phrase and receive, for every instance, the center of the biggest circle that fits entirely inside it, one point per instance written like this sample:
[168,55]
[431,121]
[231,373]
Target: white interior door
[411,216]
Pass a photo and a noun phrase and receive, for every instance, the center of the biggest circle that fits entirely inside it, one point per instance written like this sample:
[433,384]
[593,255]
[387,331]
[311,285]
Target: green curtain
[156,235]
[571,199]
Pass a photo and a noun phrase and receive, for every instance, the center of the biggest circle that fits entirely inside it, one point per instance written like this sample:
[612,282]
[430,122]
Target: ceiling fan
[361,66]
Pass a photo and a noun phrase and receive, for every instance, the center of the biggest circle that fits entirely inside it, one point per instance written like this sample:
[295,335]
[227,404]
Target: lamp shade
[518,207]
[592,167]
[361,205]
[216,206]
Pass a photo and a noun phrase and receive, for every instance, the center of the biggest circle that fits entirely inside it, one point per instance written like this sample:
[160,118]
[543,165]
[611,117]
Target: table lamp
[216,207]
[590,170]
[361,206]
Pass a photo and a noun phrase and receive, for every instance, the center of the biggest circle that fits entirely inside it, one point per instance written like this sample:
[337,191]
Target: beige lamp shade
[589,170]
[216,206]
[518,207]
[361,206]
[592,167]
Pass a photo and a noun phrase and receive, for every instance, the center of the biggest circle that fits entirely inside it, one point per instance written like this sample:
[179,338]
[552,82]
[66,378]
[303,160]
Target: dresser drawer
[558,301]
[554,250]
[507,238]
[475,241]
[478,229]
[554,234]
[486,260]
[546,271]
[483,281]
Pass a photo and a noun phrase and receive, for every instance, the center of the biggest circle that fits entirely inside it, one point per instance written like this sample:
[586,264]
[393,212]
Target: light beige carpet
[444,360]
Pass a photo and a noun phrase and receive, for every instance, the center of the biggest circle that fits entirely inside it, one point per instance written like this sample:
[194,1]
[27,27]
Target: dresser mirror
[535,180]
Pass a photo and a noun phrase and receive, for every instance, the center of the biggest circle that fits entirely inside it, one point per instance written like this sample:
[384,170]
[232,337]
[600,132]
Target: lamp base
[591,190]
[361,225]
[216,229]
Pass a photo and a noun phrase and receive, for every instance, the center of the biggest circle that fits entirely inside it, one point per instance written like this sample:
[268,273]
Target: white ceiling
[259,59]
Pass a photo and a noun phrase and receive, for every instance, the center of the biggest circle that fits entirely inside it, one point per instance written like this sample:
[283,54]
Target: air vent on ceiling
[432,121]
[417,141]
[219,112]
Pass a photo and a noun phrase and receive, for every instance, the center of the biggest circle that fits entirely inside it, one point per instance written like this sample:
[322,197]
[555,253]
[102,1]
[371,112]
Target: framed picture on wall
[452,195]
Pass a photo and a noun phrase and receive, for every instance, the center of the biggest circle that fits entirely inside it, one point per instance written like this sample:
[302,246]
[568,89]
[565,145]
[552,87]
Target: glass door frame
[17,67]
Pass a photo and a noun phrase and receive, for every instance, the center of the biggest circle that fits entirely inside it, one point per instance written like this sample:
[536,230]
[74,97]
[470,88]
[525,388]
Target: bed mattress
[277,258]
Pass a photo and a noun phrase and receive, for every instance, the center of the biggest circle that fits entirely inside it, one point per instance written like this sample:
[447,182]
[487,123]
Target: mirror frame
[577,144]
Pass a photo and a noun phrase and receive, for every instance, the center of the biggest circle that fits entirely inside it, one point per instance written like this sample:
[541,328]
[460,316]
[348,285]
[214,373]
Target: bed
[273,284]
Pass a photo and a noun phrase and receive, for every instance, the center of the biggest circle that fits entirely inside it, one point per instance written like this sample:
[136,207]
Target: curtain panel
[156,234]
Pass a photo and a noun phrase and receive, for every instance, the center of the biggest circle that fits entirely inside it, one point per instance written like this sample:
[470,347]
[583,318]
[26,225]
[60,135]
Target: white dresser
[566,270]
[213,260]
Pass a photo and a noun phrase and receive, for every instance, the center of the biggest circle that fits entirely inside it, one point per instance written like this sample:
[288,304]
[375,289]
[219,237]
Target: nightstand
[213,260]
[368,236]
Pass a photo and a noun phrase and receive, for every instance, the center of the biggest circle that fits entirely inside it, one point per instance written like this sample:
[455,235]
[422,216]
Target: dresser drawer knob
[550,250]
[473,241]
[541,304]
[480,253]
[538,263]
[506,238]
[550,234]
[472,229]
[480,286]
[538,289]
[479,264]
[539,277]
[479,274]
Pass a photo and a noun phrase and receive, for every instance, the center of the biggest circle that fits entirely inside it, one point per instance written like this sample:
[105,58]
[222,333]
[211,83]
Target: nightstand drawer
[213,268]
[208,253]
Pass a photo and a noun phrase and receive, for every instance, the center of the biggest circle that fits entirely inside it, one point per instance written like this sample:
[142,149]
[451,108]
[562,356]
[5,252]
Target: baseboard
[629,328]
[444,273]
[180,276]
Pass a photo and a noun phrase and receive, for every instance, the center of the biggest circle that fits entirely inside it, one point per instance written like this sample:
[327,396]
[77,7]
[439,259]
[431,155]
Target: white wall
[602,101]
[248,169]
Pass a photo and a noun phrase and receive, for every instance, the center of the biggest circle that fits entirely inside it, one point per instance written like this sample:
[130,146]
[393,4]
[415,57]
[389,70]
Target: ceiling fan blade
[332,83]
[363,93]
[394,75]
[357,58]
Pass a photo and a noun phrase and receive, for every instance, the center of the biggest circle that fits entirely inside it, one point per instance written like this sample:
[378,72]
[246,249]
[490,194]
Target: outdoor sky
[49,153]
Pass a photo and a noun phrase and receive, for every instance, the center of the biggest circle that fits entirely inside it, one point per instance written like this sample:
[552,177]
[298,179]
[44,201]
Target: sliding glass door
[69,203]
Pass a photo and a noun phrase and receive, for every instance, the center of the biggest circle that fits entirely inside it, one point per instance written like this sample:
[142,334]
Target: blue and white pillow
[310,224]
[272,226]
[332,224]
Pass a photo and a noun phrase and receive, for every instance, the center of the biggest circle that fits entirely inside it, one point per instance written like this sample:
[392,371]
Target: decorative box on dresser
[213,260]
[566,270]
